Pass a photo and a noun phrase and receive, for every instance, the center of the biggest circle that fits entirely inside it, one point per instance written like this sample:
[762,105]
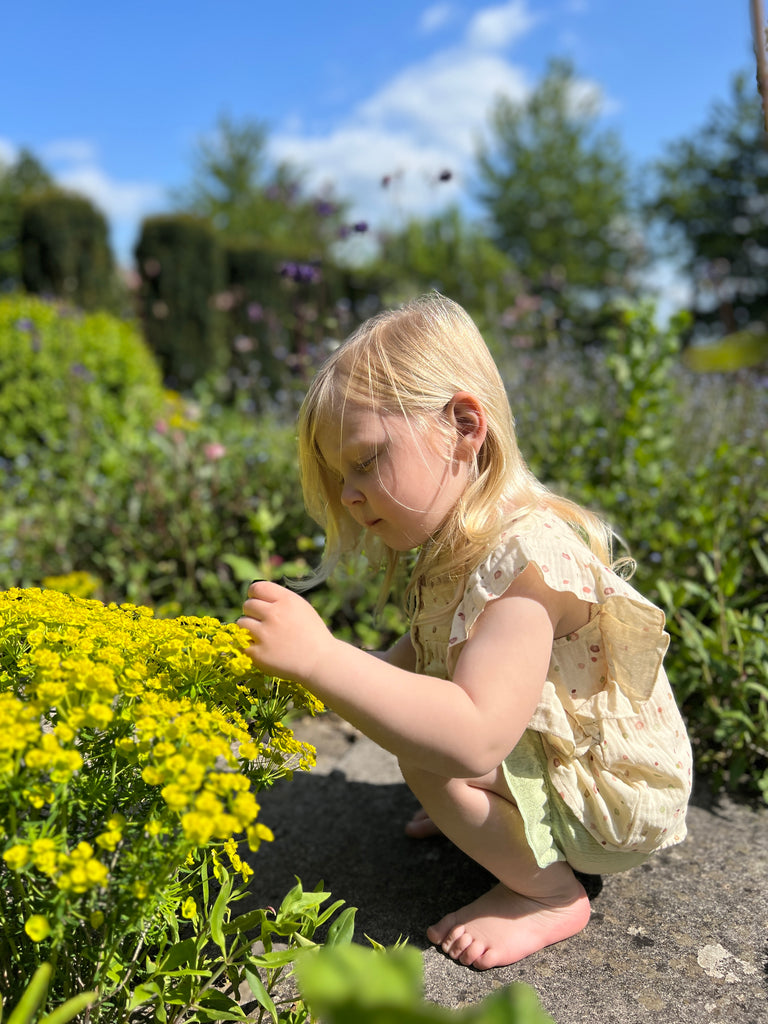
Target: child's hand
[290,638]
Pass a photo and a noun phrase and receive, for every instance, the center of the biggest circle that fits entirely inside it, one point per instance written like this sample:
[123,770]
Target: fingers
[265,590]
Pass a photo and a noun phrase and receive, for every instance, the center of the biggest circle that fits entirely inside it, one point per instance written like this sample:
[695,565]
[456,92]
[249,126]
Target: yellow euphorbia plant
[132,748]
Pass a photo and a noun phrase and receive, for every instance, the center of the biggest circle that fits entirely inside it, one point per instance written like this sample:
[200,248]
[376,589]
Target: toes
[453,940]
[438,933]
[460,947]
[474,955]
[486,958]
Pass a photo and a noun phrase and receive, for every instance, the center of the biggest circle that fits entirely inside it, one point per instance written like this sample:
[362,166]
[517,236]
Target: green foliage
[556,194]
[244,196]
[67,381]
[182,509]
[64,245]
[34,995]
[353,985]
[23,178]
[215,972]
[711,192]
[182,273]
[450,255]
[677,464]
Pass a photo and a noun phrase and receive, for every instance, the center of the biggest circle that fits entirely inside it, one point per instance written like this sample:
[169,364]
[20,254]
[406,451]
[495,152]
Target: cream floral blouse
[616,747]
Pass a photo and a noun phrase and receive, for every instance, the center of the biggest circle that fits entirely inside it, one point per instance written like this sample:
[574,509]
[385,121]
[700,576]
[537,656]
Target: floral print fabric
[616,747]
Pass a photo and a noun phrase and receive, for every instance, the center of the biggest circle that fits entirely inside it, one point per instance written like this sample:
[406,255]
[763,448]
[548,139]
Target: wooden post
[758,33]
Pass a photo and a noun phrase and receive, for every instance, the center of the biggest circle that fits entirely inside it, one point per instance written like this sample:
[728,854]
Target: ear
[467,415]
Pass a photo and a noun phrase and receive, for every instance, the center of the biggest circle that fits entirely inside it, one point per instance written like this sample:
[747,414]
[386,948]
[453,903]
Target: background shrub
[676,462]
[181,267]
[69,384]
[64,250]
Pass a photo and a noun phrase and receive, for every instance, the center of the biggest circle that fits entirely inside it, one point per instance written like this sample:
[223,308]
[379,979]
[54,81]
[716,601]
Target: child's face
[394,480]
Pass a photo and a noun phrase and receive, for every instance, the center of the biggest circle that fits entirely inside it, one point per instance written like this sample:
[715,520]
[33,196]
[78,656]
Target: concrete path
[681,940]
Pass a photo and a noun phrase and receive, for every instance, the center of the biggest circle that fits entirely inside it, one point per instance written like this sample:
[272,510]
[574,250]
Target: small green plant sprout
[350,984]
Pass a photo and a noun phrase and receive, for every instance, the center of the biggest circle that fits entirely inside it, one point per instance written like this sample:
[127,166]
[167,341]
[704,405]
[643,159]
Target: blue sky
[114,97]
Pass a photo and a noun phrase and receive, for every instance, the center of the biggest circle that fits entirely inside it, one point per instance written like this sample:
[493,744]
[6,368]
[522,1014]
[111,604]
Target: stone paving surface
[681,940]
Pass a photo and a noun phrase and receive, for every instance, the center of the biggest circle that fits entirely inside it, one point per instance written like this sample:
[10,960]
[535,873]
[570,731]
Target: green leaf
[259,992]
[33,996]
[277,958]
[341,931]
[220,1006]
[69,1010]
[144,993]
[329,912]
[183,952]
[516,1004]
[245,922]
[334,975]
[243,568]
[217,915]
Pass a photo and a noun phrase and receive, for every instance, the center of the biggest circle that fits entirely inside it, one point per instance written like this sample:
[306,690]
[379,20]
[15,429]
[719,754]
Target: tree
[64,249]
[712,193]
[245,196]
[24,178]
[452,255]
[556,192]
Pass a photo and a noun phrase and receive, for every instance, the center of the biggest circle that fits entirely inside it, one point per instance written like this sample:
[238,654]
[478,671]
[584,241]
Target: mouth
[372,523]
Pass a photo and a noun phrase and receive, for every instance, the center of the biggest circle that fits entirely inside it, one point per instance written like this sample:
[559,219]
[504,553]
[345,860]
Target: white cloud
[496,28]
[80,151]
[443,100]
[425,120]
[7,151]
[435,17]
[119,200]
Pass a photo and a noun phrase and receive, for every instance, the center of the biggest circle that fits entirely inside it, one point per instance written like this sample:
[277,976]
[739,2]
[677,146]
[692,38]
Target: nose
[351,496]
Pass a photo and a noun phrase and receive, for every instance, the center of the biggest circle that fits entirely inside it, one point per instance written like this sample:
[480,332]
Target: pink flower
[213,451]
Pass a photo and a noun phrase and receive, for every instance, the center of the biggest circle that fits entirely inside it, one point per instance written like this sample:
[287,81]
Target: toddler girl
[528,707]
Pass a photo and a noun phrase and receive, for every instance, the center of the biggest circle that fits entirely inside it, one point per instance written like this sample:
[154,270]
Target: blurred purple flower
[243,343]
[323,208]
[301,273]
[25,324]
[78,370]
[255,312]
[361,226]
[445,175]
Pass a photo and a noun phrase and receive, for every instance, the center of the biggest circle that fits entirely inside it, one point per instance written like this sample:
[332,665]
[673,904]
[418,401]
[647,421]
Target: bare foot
[421,826]
[502,926]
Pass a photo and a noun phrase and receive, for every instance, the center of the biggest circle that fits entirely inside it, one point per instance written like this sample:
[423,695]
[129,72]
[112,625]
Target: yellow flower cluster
[78,584]
[158,728]
[77,871]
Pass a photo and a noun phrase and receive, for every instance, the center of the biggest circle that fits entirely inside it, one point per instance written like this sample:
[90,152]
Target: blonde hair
[411,361]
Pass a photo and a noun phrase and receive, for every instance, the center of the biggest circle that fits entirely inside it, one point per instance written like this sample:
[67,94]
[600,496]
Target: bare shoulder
[566,611]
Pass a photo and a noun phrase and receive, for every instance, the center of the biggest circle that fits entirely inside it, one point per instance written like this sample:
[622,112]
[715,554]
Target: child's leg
[532,907]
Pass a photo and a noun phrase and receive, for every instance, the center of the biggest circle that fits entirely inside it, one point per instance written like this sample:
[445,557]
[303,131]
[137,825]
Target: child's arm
[401,654]
[462,728]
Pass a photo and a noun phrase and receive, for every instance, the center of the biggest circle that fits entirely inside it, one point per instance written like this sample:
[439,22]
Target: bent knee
[414,775]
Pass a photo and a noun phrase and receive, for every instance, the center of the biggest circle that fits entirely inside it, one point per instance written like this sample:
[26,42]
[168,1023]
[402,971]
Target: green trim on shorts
[553,831]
